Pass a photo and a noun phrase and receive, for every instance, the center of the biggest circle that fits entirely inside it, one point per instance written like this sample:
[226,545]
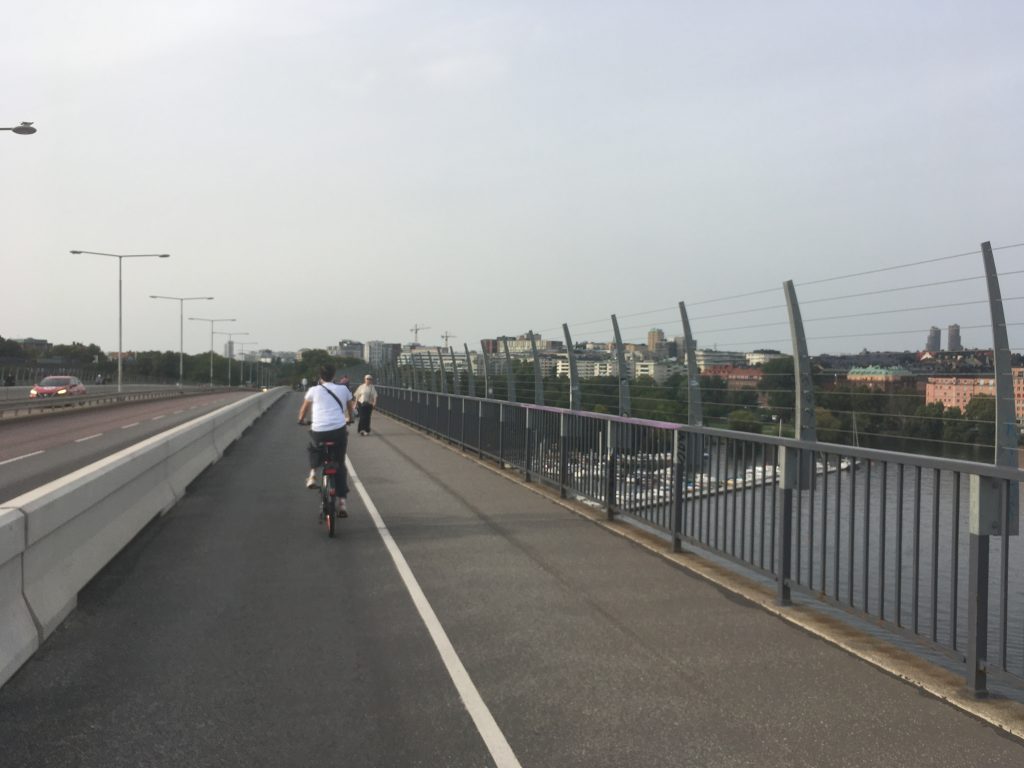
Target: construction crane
[415,330]
[447,336]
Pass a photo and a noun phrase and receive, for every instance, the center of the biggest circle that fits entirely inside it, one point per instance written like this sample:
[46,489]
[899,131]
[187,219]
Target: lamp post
[181,328]
[211,321]
[231,347]
[243,345]
[120,324]
[25,129]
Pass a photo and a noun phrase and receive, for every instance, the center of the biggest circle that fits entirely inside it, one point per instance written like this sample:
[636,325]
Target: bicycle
[330,509]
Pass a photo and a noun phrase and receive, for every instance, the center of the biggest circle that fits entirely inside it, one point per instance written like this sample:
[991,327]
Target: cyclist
[331,405]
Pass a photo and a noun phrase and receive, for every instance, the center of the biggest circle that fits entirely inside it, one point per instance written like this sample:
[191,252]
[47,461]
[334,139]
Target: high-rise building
[229,349]
[381,353]
[934,343]
[953,339]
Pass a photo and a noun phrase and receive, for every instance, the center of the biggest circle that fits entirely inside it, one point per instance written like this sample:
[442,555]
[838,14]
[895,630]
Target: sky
[334,169]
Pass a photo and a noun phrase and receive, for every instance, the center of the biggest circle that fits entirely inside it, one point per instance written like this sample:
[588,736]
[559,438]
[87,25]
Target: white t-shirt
[327,414]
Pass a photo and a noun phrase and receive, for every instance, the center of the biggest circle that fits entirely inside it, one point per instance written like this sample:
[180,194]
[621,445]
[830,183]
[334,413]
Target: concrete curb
[1001,713]
[57,537]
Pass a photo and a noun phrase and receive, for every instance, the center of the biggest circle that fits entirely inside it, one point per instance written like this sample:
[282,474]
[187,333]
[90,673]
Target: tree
[742,420]
[778,384]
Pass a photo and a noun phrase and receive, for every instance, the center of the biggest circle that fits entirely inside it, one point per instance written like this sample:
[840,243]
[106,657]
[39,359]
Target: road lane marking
[19,458]
[133,424]
[177,412]
[90,437]
[488,729]
[157,418]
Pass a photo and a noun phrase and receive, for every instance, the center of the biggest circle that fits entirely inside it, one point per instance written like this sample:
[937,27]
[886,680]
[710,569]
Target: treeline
[87,361]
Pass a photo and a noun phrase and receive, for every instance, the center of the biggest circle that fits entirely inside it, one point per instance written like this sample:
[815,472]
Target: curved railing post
[469,372]
[805,422]
[538,378]
[625,407]
[509,375]
[574,374]
[443,373]
[455,372]
[488,392]
[695,406]
[993,511]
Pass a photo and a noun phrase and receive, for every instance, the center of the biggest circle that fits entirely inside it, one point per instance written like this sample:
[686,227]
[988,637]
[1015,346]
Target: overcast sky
[331,169]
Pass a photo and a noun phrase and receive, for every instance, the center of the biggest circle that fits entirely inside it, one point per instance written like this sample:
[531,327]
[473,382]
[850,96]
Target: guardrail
[54,539]
[28,406]
[901,539]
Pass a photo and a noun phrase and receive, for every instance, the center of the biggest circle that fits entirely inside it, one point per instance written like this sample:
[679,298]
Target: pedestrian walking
[366,400]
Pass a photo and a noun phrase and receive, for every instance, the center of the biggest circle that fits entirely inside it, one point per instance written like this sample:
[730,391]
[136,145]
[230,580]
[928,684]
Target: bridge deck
[233,632]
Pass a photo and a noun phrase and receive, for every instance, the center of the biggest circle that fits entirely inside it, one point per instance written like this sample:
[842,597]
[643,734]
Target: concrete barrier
[54,539]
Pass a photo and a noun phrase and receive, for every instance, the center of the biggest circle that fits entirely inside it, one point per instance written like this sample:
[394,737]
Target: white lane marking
[90,437]
[133,424]
[177,412]
[157,418]
[489,731]
[19,458]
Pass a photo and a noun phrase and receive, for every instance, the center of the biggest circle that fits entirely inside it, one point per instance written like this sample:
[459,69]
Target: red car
[58,386]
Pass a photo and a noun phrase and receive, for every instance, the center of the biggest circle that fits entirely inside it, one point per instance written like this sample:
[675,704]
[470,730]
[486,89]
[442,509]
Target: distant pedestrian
[366,399]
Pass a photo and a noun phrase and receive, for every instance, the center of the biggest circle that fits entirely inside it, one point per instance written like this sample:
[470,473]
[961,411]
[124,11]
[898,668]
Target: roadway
[37,449]
[232,632]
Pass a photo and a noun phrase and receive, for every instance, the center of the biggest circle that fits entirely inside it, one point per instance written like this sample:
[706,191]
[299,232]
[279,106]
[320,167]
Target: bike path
[233,632]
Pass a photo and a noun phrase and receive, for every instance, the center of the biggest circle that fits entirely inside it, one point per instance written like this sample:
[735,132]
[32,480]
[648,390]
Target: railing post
[784,536]
[501,435]
[677,492]
[529,445]
[985,520]
[444,373]
[609,506]
[977,616]
[462,429]
[480,429]
[563,453]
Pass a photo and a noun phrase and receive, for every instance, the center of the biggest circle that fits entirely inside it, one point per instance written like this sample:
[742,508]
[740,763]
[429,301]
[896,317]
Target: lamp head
[25,129]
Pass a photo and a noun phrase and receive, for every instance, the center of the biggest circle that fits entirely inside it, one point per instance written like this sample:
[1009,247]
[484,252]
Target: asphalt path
[38,449]
[233,632]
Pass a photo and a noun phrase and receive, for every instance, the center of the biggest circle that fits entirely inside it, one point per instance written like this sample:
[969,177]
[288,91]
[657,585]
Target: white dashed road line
[90,437]
[133,424]
[19,458]
[488,728]
[157,418]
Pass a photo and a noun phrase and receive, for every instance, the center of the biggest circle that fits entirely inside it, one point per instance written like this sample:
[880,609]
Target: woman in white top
[366,396]
[332,413]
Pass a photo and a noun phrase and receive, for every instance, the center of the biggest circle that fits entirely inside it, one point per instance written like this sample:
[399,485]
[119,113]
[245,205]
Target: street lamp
[120,324]
[232,352]
[181,328]
[243,345]
[25,129]
[211,321]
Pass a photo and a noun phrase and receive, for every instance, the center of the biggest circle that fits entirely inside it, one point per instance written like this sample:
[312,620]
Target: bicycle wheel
[328,504]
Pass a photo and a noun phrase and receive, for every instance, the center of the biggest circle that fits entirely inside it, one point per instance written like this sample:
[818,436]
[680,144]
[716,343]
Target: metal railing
[901,539]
